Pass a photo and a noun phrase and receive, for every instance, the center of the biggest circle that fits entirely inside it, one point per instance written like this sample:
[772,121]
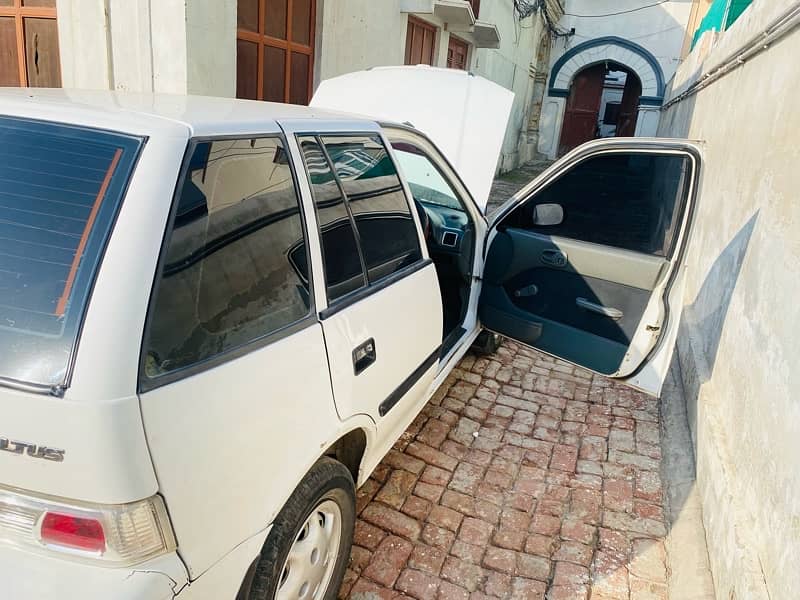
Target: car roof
[156,114]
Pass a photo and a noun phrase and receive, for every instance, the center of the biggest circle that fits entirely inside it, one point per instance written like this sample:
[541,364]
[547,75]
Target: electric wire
[614,14]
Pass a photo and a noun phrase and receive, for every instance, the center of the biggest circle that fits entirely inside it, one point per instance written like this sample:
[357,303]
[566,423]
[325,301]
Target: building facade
[598,39]
[276,50]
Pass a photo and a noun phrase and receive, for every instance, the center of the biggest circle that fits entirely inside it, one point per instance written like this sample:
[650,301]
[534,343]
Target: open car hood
[464,115]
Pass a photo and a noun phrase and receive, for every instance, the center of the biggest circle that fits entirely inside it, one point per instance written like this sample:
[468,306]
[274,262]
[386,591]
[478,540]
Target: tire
[487,342]
[329,485]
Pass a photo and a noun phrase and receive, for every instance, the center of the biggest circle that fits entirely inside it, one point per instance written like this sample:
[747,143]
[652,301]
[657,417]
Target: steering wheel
[424,219]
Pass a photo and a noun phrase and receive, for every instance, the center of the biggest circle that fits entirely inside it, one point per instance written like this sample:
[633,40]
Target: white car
[217,316]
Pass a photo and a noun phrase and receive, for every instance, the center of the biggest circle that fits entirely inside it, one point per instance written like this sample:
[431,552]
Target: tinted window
[386,229]
[628,201]
[60,190]
[341,261]
[227,276]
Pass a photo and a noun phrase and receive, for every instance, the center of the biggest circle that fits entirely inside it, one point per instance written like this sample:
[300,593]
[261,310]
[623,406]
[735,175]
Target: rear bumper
[26,576]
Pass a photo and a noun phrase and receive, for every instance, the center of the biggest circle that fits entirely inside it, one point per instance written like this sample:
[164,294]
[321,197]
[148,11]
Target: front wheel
[307,550]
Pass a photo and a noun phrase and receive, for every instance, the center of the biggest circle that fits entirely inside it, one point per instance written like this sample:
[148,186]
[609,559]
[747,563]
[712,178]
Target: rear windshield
[60,189]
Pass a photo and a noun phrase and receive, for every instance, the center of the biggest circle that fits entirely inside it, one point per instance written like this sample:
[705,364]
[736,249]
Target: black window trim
[369,287]
[348,209]
[145,383]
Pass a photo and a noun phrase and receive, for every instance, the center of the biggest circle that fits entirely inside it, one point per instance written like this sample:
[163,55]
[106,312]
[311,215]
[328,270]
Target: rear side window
[386,230]
[364,217]
[344,271]
[230,271]
[60,191]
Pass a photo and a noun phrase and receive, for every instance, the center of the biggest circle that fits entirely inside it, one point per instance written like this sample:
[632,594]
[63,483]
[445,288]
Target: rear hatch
[75,476]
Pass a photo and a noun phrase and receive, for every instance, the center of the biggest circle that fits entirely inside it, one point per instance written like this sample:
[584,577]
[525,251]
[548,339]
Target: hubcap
[308,569]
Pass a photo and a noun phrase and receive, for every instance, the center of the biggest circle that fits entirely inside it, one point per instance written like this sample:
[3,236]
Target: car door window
[226,278]
[386,229]
[626,201]
[426,182]
[342,262]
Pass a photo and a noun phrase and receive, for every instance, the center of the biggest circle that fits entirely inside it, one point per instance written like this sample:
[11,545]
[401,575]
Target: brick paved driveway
[522,478]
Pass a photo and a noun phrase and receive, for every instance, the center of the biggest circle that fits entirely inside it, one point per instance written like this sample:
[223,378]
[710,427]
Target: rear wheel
[306,552]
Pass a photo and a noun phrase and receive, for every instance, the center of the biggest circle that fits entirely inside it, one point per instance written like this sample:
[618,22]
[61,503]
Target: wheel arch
[350,450]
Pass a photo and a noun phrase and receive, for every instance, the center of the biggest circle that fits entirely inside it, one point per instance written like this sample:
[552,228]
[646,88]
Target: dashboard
[448,227]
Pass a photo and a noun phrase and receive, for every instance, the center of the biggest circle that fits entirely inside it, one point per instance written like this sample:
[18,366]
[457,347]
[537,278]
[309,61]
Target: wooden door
[629,107]
[275,50]
[29,44]
[457,54]
[420,42]
[583,108]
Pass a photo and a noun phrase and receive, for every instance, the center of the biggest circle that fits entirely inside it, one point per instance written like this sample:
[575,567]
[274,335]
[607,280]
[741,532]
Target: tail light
[114,534]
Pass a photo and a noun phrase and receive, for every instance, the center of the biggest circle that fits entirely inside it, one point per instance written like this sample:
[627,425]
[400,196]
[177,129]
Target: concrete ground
[527,478]
[508,184]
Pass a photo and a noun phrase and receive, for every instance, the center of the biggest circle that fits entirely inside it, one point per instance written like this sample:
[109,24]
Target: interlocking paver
[523,477]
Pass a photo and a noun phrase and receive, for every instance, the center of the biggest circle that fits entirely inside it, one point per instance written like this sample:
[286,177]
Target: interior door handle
[555,258]
[363,356]
[613,313]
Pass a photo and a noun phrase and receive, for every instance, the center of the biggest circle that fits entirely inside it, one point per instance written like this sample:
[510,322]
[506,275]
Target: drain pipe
[780,27]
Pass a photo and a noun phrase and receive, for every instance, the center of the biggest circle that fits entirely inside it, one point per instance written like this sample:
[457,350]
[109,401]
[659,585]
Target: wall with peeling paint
[738,346]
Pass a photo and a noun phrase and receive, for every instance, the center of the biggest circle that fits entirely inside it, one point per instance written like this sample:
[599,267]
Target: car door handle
[613,313]
[555,258]
[363,356]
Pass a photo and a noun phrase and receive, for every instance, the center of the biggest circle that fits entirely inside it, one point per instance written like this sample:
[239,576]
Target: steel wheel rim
[308,569]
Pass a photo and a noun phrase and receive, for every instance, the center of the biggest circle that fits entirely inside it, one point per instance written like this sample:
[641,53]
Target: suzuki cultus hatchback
[217,316]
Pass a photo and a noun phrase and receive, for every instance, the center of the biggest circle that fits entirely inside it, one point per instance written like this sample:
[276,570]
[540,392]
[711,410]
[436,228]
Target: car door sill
[408,383]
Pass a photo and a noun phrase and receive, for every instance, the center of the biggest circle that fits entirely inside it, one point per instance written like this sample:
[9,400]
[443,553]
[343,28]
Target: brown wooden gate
[275,50]
[29,44]
[583,107]
[629,107]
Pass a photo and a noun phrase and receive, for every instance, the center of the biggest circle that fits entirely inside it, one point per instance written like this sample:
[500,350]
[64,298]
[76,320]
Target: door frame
[471,321]
[417,23]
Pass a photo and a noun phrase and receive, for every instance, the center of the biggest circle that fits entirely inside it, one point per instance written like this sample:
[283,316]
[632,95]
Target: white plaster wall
[82,40]
[738,346]
[358,34]
[510,66]
[659,29]
[176,46]
[210,47]
[169,46]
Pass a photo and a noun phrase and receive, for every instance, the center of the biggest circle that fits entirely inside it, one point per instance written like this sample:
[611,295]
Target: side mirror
[548,214]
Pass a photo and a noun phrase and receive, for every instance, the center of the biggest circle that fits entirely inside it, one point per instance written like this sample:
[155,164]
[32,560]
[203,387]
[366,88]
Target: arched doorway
[575,64]
[603,101]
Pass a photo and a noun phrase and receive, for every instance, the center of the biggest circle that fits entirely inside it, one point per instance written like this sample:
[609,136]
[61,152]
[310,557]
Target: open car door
[585,263]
